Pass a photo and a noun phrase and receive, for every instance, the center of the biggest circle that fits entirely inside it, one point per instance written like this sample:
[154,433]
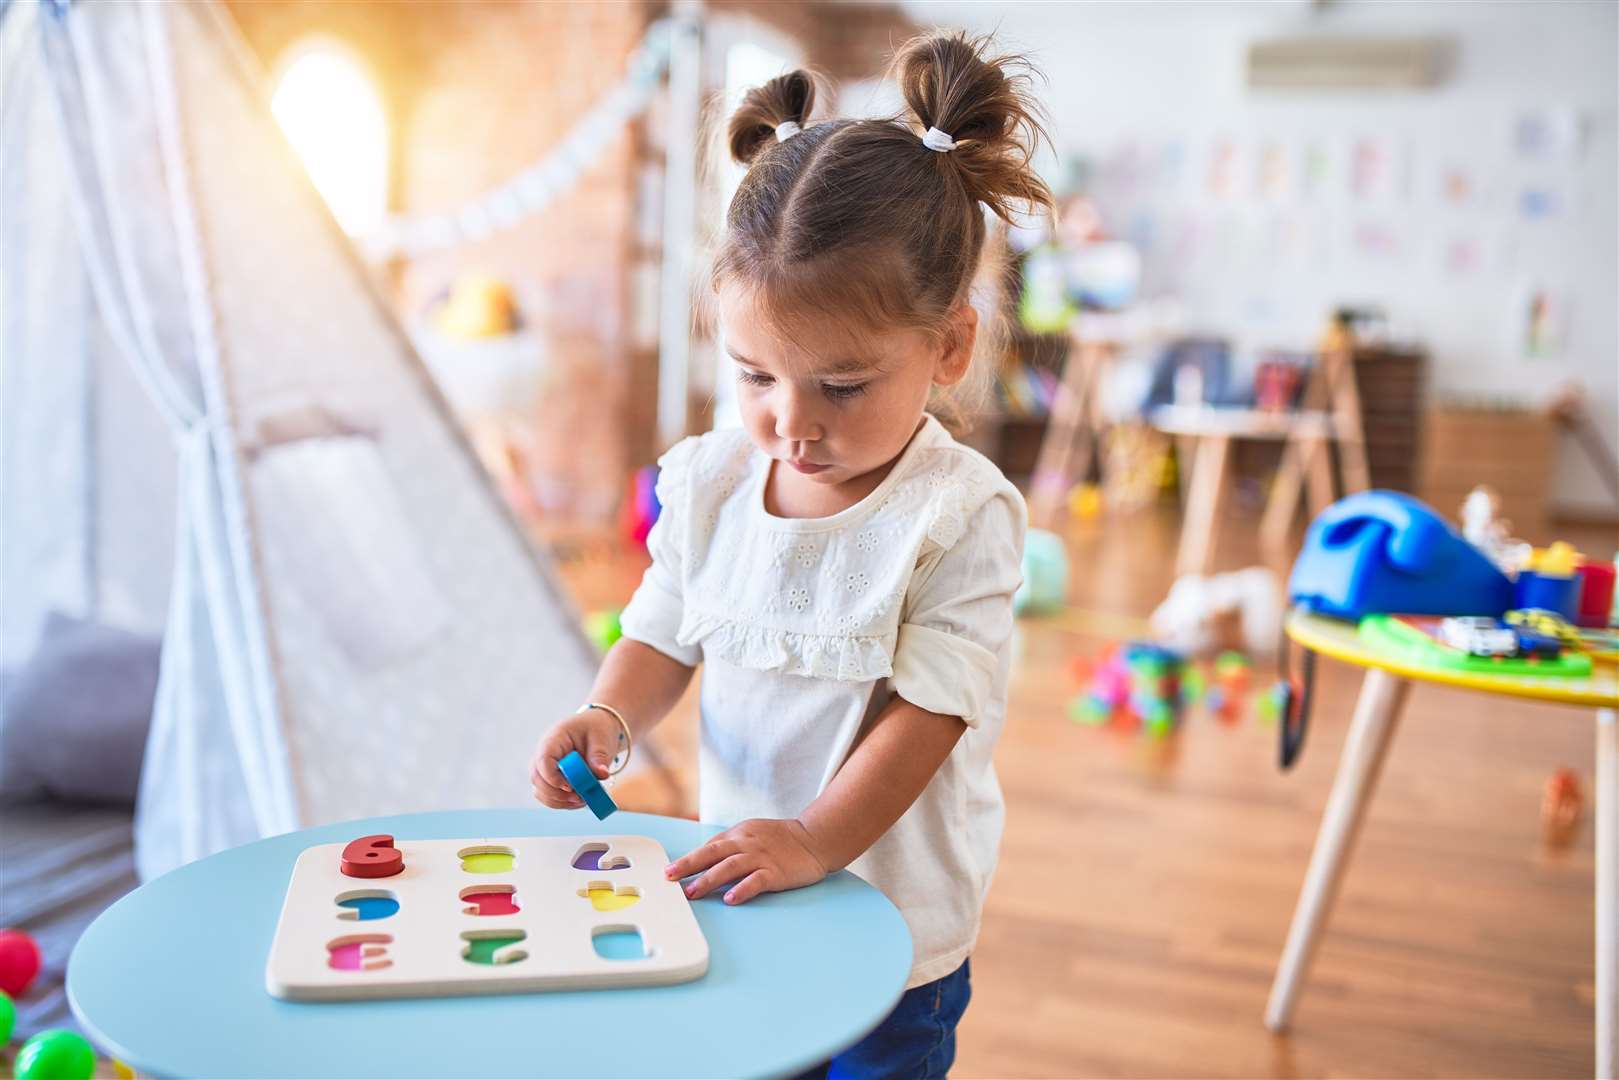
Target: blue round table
[170,979]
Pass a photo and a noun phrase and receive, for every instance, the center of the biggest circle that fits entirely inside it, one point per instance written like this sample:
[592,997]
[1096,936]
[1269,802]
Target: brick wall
[479,89]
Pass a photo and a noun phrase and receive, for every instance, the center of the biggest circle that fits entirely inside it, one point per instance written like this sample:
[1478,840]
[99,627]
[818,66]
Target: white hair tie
[934,139]
[786,130]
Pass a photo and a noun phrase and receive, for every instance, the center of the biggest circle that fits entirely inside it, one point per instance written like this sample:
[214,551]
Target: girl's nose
[795,418]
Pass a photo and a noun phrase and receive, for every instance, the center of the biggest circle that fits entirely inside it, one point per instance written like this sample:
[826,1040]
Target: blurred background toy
[1204,615]
[1227,691]
[1549,580]
[1139,684]
[1382,551]
[1485,528]
[1045,574]
[1560,806]
[603,627]
[640,508]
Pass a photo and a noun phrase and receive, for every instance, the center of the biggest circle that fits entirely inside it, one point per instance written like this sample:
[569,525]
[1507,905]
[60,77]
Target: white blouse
[807,627]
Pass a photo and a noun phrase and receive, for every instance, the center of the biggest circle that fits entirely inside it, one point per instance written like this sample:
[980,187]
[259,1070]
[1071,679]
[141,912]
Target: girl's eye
[753,378]
[842,392]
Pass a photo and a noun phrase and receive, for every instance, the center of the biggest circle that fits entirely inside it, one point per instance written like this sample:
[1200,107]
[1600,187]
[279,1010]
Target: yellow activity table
[1377,712]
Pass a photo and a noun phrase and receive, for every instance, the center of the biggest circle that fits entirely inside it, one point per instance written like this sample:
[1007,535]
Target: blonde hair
[859,217]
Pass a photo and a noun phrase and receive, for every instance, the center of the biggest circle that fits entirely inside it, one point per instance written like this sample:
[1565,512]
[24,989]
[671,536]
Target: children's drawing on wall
[1275,172]
[1555,135]
[1171,172]
[1541,202]
[1376,240]
[1372,170]
[1453,185]
[1316,171]
[1461,255]
[1543,322]
[1225,169]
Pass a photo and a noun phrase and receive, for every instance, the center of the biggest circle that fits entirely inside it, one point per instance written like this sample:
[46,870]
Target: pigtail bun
[984,104]
[753,126]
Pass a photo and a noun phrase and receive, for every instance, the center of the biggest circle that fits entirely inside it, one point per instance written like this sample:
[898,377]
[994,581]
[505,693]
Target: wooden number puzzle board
[486,916]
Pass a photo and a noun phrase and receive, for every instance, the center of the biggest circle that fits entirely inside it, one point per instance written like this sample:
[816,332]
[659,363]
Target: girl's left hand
[760,855]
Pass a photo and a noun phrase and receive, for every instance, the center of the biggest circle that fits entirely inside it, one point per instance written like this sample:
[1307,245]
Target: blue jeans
[916,1042]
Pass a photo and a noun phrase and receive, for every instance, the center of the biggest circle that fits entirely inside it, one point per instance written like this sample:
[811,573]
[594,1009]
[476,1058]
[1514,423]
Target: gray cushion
[73,719]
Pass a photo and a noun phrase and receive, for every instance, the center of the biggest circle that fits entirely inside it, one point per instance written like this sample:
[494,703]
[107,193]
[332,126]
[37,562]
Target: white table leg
[1202,519]
[1377,711]
[1607,828]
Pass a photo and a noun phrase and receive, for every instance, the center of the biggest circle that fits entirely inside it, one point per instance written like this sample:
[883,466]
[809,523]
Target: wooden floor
[1144,890]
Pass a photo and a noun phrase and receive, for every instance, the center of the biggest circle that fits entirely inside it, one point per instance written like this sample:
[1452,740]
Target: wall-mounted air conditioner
[1322,62]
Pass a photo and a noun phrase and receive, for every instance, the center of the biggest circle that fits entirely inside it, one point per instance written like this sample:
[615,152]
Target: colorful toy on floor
[640,509]
[1141,683]
[19,961]
[477,916]
[1560,806]
[1084,502]
[1045,574]
[1203,615]
[1377,552]
[8,1017]
[55,1054]
[1227,692]
[603,628]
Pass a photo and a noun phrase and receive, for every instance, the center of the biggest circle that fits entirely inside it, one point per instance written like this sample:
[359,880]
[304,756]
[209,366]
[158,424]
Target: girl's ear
[961,335]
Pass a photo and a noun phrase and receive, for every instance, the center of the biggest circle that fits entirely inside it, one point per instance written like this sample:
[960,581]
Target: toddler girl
[841,567]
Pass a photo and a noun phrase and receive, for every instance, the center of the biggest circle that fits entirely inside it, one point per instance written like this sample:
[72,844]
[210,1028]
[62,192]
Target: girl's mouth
[807,467]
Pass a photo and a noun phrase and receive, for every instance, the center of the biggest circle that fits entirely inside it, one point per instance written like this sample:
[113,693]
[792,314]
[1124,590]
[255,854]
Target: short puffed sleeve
[957,618]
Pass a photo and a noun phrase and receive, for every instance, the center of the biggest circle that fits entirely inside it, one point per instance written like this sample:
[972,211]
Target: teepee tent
[211,425]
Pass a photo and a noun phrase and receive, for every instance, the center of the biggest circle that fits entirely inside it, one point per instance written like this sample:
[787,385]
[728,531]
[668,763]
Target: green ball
[8,1016]
[57,1054]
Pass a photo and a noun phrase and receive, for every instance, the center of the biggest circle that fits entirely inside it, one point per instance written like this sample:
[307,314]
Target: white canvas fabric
[213,425]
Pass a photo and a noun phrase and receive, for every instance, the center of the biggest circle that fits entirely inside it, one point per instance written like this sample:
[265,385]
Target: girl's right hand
[594,733]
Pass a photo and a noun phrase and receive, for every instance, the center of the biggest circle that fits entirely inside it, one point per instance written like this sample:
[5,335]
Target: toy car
[1542,623]
[1478,635]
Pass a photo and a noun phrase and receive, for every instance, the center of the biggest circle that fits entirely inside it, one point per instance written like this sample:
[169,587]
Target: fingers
[556,800]
[760,881]
[600,747]
[731,868]
[695,862]
[552,792]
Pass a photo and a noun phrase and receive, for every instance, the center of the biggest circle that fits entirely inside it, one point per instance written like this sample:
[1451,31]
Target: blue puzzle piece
[584,781]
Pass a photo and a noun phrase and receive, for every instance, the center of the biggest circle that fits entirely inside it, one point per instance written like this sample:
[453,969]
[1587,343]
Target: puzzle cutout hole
[493,946]
[621,942]
[603,897]
[487,859]
[490,900]
[595,857]
[366,904]
[359,952]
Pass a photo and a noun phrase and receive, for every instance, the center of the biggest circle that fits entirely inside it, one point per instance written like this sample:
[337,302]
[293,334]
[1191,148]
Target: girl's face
[836,407]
